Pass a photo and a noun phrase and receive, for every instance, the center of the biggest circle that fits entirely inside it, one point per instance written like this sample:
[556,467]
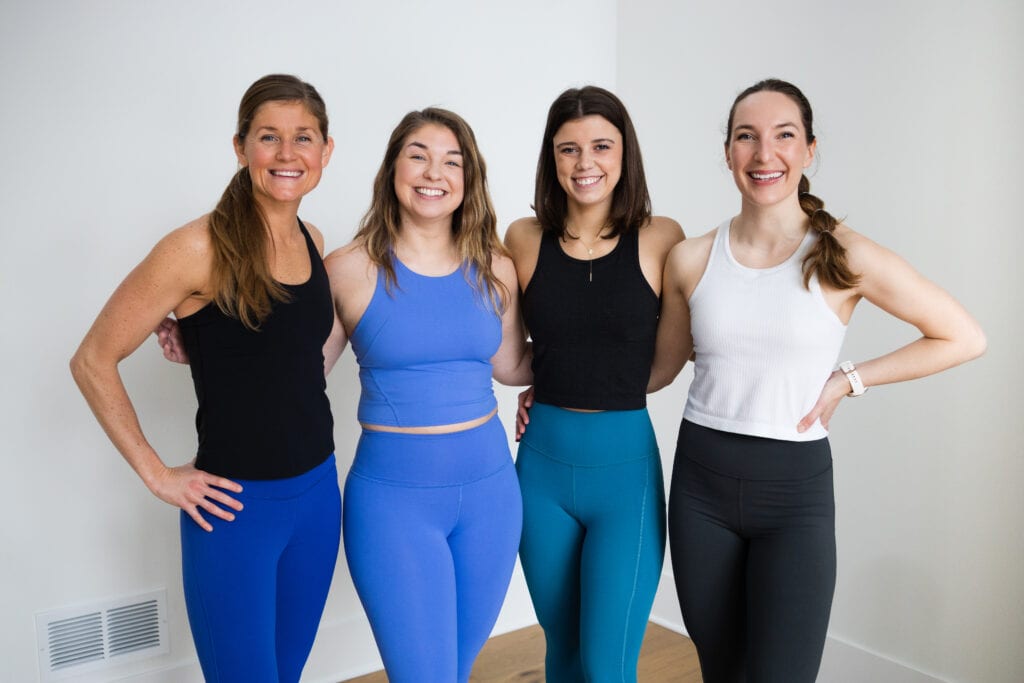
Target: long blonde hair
[241,281]
[474,223]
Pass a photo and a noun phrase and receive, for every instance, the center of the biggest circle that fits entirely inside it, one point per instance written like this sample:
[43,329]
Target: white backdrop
[117,118]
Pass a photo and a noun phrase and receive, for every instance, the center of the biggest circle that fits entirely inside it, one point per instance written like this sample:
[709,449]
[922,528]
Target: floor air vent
[78,640]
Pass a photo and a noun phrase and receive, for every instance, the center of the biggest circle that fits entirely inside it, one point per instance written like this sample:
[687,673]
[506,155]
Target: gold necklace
[589,248]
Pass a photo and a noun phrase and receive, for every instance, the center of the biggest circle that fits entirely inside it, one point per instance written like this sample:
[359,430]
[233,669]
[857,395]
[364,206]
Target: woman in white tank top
[762,304]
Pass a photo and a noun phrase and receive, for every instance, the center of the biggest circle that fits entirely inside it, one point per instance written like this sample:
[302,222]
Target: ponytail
[827,258]
[243,287]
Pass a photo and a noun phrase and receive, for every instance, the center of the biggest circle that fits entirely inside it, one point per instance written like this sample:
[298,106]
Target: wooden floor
[519,656]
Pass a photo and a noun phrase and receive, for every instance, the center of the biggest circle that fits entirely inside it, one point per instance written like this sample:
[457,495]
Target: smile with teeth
[430,191]
[589,180]
[286,174]
[766,175]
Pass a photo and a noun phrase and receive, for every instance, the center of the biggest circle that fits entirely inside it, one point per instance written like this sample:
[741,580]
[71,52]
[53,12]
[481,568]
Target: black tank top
[263,411]
[593,336]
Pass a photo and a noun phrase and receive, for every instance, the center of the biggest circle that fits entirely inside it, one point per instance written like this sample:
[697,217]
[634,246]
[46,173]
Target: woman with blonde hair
[428,298]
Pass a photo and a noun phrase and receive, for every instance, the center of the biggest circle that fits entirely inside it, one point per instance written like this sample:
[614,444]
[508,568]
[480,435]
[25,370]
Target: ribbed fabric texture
[424,350]
[764,345]
[593,325]
[263,408]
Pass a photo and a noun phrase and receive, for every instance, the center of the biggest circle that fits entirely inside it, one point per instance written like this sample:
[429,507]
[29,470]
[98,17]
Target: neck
[587,223]
[282,219]
[772,224]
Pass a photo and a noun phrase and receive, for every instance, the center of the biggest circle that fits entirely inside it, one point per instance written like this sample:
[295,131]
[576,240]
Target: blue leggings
[593,537]
[752,522]
[255,587]
[431,528]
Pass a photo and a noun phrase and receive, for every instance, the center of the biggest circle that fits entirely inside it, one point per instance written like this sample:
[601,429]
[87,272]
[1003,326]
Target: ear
[239,151]
[728,159]
[811,150]
[325,156]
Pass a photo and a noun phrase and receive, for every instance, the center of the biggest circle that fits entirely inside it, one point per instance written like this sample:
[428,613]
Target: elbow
[978,344]
[78,366]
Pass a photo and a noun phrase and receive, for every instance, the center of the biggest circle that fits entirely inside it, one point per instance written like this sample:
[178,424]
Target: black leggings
[752,533]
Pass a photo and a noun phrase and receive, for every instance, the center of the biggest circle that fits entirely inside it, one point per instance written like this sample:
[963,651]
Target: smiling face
[429,181]
[588,159]
[767,150]
[284,152]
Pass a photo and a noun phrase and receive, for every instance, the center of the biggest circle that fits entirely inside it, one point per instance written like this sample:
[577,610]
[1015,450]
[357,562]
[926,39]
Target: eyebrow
[573,142]
[747,126]
[420,145]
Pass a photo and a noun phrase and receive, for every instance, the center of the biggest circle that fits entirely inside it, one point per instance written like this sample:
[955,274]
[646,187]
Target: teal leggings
[593,537]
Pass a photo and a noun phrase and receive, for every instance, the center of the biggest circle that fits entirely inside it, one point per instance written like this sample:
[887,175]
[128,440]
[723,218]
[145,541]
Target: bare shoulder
[351,260]
[503,267]
[863,254]
[187,250]
[661,234]
[318,237]
[522,233]
[693,249]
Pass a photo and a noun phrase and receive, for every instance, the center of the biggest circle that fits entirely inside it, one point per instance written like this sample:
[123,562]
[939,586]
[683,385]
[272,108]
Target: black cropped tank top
[263,408]
[593,325]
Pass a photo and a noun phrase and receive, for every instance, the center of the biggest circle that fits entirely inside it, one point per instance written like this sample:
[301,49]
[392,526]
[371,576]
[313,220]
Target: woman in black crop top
[589,265]
[248,285]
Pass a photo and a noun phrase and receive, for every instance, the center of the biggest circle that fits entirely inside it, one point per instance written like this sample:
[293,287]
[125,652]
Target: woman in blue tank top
[763,302]
[428,298]
[589,265]
[260,503]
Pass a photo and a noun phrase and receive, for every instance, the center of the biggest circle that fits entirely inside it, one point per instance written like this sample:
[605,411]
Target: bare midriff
[432,429]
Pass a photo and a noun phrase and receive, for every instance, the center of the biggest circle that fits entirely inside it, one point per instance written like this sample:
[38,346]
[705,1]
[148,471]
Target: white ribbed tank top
[764,345]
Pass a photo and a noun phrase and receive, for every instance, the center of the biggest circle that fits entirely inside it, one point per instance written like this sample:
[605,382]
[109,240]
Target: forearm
[519,373]
[923,357]
[104,391]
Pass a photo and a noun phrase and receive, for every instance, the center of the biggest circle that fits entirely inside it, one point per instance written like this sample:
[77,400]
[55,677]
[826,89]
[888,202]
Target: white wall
[117,119]
[918,109]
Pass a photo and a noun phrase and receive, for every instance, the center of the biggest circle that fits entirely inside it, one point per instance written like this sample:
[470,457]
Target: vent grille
[77,640]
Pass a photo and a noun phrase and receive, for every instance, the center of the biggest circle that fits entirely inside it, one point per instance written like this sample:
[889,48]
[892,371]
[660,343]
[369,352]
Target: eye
[602,147]
[417,156]
[568,149]
[453,164]
[304,139]
[786,134]
[744,136]
[267,137]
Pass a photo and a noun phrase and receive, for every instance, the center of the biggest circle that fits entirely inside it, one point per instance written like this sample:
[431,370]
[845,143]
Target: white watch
[857,387]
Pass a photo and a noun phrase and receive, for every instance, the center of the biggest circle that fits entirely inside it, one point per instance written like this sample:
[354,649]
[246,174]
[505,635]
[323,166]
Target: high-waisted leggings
[752,529]
[593,537]
[255,588]
[431,528]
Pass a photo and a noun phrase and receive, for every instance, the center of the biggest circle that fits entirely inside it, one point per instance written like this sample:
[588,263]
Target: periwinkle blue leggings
[752,524]
[431,528]
[255,588]
[593,537]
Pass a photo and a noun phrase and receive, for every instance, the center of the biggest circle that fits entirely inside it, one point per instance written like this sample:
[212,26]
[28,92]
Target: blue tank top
[424,350]
[263,409]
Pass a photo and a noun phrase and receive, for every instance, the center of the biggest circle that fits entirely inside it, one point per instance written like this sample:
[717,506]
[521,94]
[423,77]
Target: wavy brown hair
[631,203]
[827,259]
[474,223]
[242,285]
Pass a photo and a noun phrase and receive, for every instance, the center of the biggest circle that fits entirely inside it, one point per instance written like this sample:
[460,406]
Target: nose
[764,150]
[286,151]
[584,160]
[432,170]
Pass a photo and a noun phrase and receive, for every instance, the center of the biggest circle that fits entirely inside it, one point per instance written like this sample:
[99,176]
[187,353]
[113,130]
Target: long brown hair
[474,223]
[631,203]
[242,285]
[827,259]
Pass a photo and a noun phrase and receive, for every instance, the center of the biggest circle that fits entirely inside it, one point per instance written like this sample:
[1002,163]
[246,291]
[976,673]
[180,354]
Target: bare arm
[949,334]
[172,273]
[512,361]
[674,343]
